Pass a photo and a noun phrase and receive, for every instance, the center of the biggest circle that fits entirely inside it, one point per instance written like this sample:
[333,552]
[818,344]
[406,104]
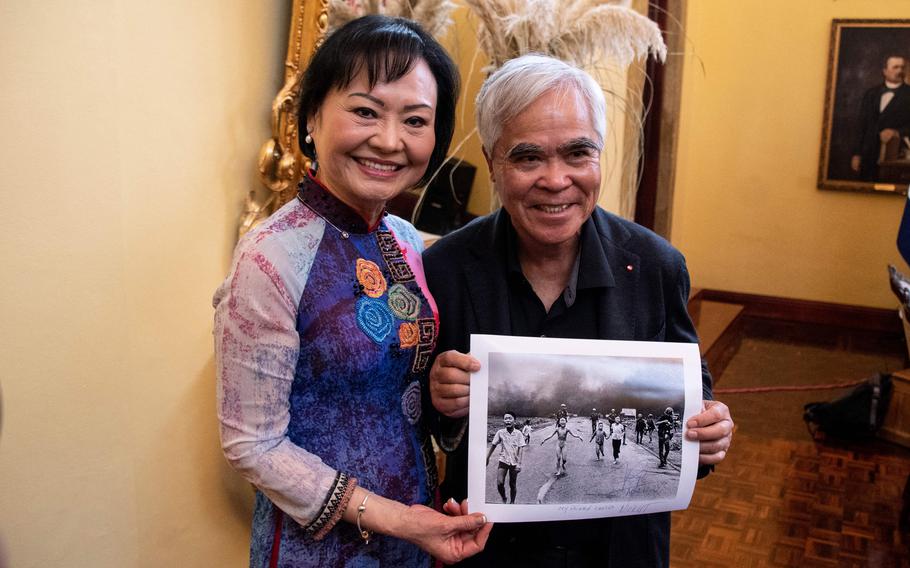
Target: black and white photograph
[866,133]
[576,429]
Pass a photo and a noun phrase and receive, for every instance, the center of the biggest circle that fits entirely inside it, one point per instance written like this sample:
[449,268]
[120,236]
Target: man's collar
[591,268]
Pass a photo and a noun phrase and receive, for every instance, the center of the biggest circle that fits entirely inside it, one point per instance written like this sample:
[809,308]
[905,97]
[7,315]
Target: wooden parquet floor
[780,499]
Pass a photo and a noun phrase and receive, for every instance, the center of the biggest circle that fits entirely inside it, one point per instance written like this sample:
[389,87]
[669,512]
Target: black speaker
[446,201]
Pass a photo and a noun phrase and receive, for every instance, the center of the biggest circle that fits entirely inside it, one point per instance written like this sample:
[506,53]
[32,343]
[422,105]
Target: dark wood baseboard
[806,321]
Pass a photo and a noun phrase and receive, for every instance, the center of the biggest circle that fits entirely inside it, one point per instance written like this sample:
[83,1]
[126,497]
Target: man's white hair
[521,81]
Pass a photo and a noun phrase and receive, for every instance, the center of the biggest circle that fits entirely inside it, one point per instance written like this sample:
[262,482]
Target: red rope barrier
[828,386]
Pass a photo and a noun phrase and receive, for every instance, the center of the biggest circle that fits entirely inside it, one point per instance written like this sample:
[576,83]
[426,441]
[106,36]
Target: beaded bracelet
[365,535]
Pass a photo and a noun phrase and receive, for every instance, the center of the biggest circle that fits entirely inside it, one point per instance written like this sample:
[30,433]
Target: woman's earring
[308,139]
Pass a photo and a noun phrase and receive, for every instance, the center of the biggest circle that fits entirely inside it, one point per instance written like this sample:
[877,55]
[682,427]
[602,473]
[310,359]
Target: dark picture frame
[857,56]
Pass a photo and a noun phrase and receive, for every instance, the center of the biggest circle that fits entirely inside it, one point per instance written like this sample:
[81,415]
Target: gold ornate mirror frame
[281,163]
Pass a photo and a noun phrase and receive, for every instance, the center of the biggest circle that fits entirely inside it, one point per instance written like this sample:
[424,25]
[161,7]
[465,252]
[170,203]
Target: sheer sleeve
[257,347]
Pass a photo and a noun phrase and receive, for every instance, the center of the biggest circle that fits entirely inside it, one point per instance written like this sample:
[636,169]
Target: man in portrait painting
[884,120]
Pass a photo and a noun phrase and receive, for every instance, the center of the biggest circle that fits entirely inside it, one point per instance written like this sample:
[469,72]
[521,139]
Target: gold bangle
[365,535]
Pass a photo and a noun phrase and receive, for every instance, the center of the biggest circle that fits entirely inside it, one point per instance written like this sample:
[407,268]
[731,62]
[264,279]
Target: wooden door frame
[654,199]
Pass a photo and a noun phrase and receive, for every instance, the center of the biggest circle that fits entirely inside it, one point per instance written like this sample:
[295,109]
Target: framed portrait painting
[866,131]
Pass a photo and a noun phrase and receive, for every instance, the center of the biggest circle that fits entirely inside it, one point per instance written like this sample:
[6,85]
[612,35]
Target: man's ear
[489,160]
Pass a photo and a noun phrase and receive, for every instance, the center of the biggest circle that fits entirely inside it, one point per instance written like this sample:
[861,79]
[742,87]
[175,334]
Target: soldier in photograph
[640,426]
[665,428]
[562,413]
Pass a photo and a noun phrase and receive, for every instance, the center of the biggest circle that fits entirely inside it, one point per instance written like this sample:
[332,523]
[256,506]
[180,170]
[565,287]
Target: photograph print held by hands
[571,429]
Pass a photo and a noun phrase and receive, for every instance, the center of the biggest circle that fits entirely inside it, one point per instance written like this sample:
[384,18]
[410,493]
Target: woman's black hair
[388,48]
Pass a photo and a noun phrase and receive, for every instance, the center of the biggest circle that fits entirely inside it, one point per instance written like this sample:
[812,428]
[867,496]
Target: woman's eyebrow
[379,102]
[369,97]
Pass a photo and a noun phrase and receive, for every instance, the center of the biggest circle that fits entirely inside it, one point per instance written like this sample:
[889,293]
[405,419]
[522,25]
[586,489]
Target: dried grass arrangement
[577,31]
[606,37]
[433,15]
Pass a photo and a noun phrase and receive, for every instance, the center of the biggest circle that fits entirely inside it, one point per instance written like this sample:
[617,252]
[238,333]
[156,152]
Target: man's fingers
[456,411]
[715,431]
[714,447]
[714,411]
[711,459]
[452,391]
[458,360]
[452,376]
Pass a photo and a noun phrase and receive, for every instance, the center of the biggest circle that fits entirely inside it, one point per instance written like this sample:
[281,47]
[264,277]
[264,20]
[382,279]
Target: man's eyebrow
[379,102]
[576,144]
[523,148]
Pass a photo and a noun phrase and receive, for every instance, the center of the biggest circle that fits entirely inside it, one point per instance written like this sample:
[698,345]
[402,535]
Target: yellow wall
[129,137]
[746,211]
[460,41]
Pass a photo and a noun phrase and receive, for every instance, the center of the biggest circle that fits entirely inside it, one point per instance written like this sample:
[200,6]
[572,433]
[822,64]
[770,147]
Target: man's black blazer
[467,276]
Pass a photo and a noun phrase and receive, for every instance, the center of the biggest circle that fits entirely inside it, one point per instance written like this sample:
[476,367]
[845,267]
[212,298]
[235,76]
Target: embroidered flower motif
[370,277]
[374,318]
[403,303]
[410,403]
[408,334]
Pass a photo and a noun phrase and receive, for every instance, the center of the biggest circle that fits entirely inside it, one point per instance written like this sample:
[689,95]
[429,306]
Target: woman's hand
[713,429]
[450,383]
[448,538]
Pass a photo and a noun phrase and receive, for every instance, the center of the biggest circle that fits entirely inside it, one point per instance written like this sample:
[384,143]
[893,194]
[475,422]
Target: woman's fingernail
[451,500]
[484,519]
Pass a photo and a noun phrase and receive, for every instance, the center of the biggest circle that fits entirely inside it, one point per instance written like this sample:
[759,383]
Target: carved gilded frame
[281,163]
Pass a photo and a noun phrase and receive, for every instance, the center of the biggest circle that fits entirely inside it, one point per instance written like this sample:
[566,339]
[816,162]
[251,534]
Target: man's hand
[450,383]
[713,429]
[855,163]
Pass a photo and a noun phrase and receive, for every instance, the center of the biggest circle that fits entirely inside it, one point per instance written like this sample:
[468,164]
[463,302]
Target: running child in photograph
[510,441]
[526,431]
[598,438]
[617,434]
[562,432]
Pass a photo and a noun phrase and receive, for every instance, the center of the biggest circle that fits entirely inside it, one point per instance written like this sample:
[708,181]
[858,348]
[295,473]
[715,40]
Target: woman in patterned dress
[325,316]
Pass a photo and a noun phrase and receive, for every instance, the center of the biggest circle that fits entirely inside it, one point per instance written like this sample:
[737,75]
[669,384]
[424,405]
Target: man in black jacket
[550,262]
[884,115]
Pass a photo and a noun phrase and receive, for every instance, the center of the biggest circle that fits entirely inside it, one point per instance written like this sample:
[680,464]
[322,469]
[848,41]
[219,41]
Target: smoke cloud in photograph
[535,385]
